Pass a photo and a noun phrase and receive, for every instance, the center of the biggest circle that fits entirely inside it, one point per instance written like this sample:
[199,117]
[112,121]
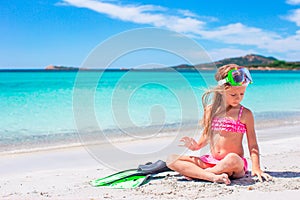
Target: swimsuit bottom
[209,159]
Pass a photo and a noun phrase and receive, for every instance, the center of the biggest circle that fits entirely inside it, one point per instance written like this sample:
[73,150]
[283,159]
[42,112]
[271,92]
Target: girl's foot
[222,178]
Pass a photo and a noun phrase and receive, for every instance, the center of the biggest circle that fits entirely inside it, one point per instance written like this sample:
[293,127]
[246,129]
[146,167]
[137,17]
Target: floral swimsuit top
[229,125]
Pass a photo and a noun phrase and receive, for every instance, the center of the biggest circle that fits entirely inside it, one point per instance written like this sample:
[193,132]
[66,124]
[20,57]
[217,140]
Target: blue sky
[38,33]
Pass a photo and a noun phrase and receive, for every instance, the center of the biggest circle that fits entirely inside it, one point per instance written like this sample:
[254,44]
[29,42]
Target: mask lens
[238,76]
[247,75]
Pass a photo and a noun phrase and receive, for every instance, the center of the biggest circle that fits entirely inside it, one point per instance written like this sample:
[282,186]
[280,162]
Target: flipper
[154,168]
[115,177]
[133,181]
[132,178]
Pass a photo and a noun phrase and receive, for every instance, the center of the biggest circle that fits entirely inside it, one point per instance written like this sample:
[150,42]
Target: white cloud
[187,13]
[294,16]
[145,14]
[188,23]
[240,34]
[291,43]
[293,2]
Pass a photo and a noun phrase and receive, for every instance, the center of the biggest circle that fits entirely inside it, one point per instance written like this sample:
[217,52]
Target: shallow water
[54,106]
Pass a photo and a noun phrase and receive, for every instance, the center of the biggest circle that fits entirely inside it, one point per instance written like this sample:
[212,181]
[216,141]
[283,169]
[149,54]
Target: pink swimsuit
[228,125]
[209,159]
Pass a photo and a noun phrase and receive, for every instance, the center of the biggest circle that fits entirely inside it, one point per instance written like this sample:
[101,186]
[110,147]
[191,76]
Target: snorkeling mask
[237,77]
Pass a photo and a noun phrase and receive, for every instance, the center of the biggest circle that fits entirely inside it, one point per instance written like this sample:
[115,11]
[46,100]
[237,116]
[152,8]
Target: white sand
[64,173]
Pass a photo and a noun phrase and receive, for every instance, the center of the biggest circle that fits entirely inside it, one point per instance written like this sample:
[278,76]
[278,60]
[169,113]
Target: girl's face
[234,95]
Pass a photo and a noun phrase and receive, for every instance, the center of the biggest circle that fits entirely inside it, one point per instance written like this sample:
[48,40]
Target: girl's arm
[253,147]
[203,141]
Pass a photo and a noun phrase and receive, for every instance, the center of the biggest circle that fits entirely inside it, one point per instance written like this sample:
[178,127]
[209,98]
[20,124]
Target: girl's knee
[171,160]
[234,159]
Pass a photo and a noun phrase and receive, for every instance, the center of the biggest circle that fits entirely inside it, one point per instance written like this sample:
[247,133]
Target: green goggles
[237,77]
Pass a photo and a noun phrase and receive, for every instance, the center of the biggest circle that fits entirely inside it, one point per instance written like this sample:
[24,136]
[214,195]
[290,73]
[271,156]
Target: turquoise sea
[37,107]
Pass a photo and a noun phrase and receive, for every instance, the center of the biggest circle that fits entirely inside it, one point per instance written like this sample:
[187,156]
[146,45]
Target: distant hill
[248,60]
[61,68]
[252,61]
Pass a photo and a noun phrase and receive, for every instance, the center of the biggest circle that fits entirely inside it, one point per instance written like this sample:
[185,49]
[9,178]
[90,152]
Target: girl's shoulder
[247,113]
[246,110]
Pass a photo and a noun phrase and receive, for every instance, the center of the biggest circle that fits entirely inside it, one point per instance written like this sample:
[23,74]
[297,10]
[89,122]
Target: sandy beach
[65,172]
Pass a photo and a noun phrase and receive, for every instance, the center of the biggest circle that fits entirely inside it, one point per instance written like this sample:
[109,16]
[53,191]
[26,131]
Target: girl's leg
[232,164]
[193,167]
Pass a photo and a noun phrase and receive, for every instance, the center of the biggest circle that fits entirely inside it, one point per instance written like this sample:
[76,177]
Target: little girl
[225,122]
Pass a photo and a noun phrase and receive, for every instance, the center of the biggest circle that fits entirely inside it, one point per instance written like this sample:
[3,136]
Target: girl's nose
[238,97]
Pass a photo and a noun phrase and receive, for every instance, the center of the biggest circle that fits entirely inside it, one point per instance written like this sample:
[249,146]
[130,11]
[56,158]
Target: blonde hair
[212,99]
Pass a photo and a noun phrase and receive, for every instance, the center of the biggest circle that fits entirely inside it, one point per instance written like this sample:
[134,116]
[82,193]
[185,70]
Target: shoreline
[263,133]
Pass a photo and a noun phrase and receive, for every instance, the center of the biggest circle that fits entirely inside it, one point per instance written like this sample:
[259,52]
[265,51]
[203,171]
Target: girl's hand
[260,174]
[190,143]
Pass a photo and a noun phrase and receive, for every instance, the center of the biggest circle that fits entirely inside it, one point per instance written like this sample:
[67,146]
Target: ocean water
[40,107]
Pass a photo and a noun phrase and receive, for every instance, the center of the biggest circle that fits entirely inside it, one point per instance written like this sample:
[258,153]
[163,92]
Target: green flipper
[105,181]
[133,178]
[129,182]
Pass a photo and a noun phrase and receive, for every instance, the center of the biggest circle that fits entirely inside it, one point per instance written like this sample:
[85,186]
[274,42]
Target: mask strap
[223,81]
